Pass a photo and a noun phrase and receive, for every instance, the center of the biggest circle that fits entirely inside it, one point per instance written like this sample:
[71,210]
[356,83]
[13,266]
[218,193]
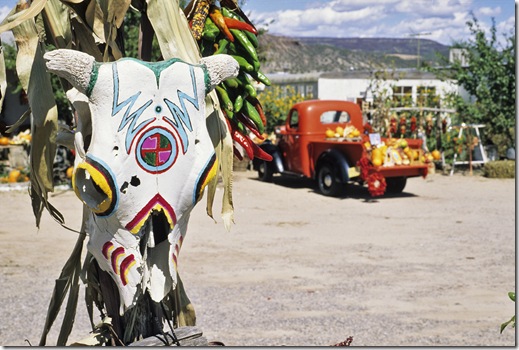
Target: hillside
[305,55]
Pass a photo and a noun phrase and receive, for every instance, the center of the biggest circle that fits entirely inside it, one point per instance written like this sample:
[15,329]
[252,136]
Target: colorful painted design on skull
[96,186]
[156,204]
[156,150]
[146,158]
[121,263]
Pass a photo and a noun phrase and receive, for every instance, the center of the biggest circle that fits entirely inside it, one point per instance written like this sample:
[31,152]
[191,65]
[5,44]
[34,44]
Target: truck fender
[277,158]
[337,158]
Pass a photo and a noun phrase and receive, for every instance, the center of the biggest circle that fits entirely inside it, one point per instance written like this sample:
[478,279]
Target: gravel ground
[429,267]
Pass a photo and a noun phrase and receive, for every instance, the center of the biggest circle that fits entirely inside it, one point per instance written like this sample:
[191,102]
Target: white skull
[144,156]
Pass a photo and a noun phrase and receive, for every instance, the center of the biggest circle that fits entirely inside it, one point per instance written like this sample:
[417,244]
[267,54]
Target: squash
[4,141]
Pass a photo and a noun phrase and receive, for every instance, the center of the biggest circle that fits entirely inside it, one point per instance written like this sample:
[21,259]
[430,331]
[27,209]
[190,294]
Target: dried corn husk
[3,79]
[36,81]
[170,23]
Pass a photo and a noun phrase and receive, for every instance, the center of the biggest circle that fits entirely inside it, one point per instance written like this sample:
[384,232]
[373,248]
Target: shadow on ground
[351,191]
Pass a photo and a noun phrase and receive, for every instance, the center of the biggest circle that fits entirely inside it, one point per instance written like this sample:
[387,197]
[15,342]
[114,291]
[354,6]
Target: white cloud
[444,19]
[317,21]
[489,11]
[351,5]
[437,8]
[6,37]
[4,11]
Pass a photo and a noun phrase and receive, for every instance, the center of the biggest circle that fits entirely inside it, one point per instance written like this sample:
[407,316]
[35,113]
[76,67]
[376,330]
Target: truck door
[291,145]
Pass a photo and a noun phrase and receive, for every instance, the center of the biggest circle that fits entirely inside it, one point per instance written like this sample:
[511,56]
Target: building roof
[353,74]
[364,74]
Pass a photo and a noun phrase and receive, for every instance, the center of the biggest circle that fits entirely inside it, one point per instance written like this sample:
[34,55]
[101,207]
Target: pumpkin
[14,175]
[4,141]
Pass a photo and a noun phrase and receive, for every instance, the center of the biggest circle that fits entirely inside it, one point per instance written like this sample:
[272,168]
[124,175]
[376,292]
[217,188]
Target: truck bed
[354,149]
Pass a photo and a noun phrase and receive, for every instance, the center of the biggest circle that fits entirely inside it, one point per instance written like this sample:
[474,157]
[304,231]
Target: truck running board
[289,173]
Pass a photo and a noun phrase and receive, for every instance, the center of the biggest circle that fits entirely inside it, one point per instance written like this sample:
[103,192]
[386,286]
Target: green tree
[490,80]
[277,101]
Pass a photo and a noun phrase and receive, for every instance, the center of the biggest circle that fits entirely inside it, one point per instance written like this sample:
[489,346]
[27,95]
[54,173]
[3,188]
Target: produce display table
[14,156]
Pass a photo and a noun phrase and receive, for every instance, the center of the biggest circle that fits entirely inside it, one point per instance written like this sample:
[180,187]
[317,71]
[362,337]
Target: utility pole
[418,35]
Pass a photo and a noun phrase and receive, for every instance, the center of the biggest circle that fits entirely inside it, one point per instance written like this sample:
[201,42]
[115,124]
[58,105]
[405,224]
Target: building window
[403,96]
[426,96]
[309,91]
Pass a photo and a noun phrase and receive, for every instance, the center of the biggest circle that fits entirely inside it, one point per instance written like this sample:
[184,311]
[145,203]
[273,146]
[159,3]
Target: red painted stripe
[106,247]
[115,255]
[124,265]
[144,212]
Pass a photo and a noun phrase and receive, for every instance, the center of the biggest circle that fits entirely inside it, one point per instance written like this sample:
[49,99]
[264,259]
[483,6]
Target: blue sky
[445,20]
[440,20]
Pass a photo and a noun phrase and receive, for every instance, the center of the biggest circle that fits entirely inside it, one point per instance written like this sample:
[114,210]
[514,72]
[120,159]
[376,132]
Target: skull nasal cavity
[160,226]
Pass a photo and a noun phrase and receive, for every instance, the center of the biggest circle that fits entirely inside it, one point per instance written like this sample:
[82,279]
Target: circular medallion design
[156,150]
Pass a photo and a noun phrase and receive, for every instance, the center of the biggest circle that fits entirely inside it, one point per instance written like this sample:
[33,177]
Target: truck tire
[395,184]
[265,171]
[327,180]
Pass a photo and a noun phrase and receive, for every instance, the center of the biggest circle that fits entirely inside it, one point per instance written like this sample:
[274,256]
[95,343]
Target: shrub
[501,169]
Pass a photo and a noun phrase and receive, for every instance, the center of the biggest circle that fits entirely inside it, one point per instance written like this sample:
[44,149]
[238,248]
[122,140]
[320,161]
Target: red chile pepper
[413,124]
[237,153]
[238,137]
[260,111]
[256,103]
[261,154]
[237,24]
[243,141]
[368,129]
[250,125]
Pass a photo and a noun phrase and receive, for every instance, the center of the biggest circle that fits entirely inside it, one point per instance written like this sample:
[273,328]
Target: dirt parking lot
[429,267]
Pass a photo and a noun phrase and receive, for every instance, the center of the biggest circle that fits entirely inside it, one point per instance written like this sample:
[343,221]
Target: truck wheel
[327,180]
[265,172]
[395,184]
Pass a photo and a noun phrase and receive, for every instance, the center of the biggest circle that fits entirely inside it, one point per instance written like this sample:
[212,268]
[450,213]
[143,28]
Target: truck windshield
[335,117]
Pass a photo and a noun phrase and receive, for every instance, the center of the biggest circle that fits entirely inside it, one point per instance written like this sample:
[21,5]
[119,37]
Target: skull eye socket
[95,187]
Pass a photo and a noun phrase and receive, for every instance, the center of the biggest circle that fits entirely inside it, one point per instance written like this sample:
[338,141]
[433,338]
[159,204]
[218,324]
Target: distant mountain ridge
[316,54]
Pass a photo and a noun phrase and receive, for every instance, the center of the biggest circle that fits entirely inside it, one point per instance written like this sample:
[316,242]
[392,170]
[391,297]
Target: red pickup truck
[324,140]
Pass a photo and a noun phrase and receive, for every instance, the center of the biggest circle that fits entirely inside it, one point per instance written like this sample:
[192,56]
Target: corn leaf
[175,40]
[8,18]
[84,40]
[90,15]
[223,144]
[12,21]
[34,79]
[68,282]
[172,31]
[20,121]
[114,12]
[3,78]
[57,24]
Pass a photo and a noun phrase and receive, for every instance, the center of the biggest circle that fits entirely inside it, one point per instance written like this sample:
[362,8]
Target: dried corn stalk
[94,27]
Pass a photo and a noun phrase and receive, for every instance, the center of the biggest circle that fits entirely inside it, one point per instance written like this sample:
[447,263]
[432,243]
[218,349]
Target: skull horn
[220,67]
[74,66]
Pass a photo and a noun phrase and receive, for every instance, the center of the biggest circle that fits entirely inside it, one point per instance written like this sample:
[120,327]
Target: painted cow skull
[144,156]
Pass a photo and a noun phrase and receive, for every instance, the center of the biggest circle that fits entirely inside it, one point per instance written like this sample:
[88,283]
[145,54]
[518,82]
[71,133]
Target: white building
[405,86]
